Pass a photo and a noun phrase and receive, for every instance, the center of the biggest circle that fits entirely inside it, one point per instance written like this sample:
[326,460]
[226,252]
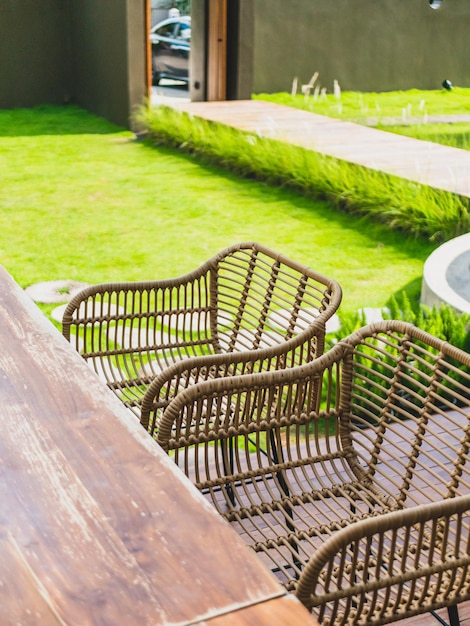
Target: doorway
[168,49]
[221,49]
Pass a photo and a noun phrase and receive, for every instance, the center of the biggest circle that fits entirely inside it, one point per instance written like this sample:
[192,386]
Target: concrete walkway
[424,162]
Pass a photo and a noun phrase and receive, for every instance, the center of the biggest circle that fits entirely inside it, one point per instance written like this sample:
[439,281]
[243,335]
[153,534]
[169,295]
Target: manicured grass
[402,205]
[455,134]
[361,107]
[81,199]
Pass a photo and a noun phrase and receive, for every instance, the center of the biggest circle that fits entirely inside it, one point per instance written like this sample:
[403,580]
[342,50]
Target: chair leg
[285,489]
[453,612]
[229,470]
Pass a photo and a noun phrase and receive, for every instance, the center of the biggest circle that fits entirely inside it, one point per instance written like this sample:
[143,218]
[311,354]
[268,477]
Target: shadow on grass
[307,206]
[53,120]
[411,290]
[350,247]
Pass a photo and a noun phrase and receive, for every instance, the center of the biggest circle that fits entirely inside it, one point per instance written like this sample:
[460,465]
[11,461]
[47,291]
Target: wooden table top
[97,525]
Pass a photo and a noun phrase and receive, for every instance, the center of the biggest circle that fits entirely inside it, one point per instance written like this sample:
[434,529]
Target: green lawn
[361,107]
[81,199]
[414,113]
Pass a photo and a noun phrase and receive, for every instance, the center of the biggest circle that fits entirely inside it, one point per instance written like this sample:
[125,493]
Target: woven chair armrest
[207,368]
[426,542]
[241,384]
[273,377]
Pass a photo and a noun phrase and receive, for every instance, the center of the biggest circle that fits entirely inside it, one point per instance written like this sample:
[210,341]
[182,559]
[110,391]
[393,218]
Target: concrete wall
[91,52]
[108,42]
[367,45]
[34,53]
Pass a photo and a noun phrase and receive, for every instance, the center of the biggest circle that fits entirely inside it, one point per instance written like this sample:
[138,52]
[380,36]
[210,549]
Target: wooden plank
[98,526]
[285,610]
[22,598]
[217,50]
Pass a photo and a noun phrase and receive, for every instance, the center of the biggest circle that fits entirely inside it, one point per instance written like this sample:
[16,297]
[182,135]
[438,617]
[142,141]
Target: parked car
[171,44]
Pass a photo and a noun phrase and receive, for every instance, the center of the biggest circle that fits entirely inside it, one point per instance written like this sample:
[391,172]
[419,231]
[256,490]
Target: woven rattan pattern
[246,309]
[349,476]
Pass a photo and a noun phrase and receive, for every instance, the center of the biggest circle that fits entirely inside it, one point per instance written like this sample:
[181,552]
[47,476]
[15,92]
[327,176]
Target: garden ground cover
[81,199]
[360,107]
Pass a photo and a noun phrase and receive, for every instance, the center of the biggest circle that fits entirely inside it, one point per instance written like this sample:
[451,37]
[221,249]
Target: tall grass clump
[443,322]
[403,205]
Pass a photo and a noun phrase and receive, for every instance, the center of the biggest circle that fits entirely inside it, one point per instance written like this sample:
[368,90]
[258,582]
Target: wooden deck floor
[430,620]
[436,441]
[424,162]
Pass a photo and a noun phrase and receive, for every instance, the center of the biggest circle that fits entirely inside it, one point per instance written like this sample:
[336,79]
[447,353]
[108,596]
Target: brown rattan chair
[246,309]
[349,476]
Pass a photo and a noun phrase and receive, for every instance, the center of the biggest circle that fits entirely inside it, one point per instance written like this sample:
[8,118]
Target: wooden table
[97,525]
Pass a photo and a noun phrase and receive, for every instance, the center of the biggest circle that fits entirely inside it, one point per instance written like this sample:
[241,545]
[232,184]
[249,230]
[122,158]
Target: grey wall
[367,45]
[34,53]
[91,52]
[240,49]
[108,43]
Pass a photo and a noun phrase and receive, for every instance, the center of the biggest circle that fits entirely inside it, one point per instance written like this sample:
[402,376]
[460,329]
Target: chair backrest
[405,409]
[247,304]
[247,297]
[261,299]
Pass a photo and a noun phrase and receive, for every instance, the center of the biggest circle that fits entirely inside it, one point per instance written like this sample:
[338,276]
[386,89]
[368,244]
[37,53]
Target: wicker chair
[349,476]
[247,309]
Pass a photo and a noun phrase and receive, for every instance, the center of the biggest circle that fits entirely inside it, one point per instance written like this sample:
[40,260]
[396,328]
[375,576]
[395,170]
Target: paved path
[429,163]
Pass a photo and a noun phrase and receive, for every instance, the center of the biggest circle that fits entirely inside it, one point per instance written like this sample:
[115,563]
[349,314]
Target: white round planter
[446,275]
